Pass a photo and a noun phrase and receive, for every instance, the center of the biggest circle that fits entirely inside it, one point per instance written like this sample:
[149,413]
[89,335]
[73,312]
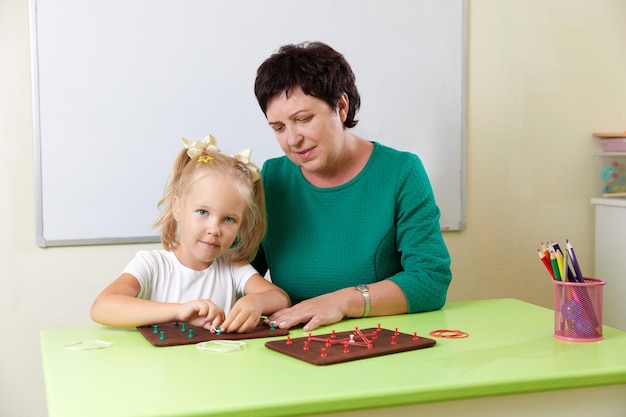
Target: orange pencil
[546,262]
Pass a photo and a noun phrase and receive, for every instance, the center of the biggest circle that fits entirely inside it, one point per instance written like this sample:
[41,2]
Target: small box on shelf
[614,174]
[614,177]
[612,142]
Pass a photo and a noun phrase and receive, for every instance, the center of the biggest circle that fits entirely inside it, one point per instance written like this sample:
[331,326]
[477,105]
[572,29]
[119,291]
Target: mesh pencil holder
[578,310]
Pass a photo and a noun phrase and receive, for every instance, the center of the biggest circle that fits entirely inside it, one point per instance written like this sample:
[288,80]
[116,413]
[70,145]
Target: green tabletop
[510,350]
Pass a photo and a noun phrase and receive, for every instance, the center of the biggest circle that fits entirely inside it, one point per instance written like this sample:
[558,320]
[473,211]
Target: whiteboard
[117,83]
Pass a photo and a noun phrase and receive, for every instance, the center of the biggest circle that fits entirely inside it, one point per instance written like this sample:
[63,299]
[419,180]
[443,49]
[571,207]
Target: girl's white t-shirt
[163,278]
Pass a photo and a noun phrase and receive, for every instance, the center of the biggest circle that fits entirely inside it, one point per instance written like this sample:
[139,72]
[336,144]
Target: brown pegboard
[174,335]
[334,347]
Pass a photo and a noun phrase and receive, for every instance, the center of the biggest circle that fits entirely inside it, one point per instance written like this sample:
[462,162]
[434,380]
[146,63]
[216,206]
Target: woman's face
[308,130]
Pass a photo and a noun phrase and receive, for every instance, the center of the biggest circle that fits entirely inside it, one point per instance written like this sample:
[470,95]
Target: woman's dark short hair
[316,68]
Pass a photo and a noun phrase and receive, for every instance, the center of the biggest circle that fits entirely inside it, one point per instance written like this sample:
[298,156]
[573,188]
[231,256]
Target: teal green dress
[383,224]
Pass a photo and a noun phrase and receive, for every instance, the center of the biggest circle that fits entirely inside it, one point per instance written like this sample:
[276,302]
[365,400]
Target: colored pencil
[559,261]
[572,256]
[555,266]
[546,262]
[566,272]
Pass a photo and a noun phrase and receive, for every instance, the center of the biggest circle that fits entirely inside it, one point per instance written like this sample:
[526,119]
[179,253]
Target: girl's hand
[201,313]
[245,314]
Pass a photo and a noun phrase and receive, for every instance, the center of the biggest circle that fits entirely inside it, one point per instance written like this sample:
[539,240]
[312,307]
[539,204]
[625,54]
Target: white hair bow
[244,161]
[196,147]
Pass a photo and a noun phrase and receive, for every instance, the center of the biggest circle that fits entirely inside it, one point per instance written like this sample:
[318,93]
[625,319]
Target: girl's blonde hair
[187,170]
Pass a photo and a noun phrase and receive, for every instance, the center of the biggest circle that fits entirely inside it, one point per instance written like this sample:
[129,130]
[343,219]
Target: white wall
[543,75]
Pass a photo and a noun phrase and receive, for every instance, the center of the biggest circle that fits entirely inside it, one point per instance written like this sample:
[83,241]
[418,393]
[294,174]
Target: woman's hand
[386,299]
[319,311]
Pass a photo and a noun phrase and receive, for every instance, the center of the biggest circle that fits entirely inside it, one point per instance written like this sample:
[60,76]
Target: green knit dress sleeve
[424,256]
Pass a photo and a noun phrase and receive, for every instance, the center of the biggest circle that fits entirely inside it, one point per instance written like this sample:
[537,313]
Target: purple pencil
[572,256]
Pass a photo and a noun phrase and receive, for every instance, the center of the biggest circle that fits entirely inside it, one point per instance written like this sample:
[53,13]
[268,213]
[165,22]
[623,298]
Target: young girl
[212,222]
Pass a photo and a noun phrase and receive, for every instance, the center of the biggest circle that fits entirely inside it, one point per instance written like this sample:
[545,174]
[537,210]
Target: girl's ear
[176,207]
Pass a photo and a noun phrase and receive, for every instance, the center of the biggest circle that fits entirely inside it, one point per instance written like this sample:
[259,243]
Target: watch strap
[366,296]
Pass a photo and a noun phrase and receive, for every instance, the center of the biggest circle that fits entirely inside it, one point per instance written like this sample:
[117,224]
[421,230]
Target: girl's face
[308,130]
[208,217]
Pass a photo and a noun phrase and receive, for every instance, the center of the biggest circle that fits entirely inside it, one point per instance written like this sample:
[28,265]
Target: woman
[353,228]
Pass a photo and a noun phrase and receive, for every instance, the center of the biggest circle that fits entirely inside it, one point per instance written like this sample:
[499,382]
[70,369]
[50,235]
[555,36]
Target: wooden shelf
[608,135]
[610,153]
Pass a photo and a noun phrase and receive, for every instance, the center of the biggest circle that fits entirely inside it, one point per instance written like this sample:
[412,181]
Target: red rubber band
[449,334]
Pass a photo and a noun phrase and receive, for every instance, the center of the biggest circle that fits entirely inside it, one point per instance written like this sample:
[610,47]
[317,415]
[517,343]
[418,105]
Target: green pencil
[555,266]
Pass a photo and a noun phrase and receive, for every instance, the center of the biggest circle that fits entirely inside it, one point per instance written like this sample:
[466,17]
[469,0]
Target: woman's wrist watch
[366,296]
